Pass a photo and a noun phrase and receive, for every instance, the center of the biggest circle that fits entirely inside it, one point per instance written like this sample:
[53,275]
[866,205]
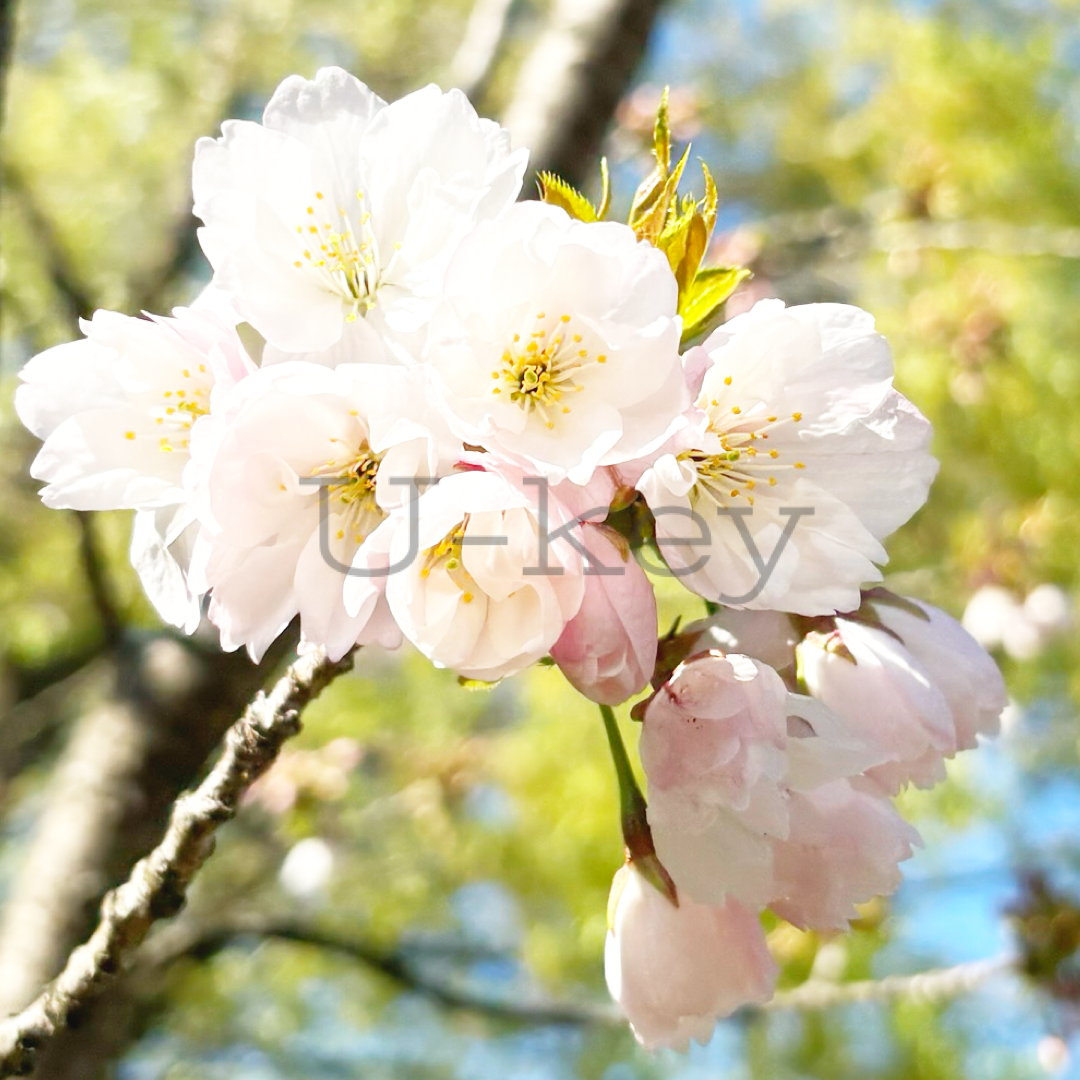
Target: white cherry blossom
[118,411]
[795,411]
[482,590]
[311,463]
[558,342]
[335,217]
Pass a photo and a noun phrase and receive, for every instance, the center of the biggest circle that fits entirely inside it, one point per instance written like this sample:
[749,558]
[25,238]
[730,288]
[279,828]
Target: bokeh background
[418,890]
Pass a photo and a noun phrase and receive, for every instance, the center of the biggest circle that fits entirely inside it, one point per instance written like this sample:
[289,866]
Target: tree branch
[573,79]
[474,62]
[158,885]
[201,943]
[394,964]
[97,579]
[937,984]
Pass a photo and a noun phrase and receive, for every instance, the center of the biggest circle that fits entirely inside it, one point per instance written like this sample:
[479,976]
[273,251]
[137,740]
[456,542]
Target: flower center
[548,367]
[353,492]
[446,556]
[744,460]
[181,407]
[344,255]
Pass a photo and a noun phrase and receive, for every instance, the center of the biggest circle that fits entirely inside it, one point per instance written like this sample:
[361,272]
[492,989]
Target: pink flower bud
[675,971]
[608,650]
[922,687]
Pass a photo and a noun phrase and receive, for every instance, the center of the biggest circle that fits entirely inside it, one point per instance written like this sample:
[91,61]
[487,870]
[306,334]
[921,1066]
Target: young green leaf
[705,297]
[558,192]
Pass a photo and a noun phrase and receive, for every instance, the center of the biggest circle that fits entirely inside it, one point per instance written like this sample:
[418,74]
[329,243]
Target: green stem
[635,823]
[631,801]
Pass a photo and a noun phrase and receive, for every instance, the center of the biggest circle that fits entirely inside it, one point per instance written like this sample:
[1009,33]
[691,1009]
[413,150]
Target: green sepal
[880,595]
[706,296]
[558,192]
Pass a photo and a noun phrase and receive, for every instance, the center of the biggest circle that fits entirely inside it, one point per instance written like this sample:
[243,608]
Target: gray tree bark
[107,806]
[573,80]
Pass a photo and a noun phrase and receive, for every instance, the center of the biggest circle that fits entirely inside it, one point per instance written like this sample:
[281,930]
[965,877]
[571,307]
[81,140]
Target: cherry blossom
[465,422]
[557,342]
[489,577]
[118,411]
[725,746]
[311,464]
[798,454]
[334,219]
[920,685]
[844,847]
[712,746]
[608,649]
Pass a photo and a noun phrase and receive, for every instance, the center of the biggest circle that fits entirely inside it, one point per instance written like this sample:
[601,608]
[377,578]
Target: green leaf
[647,195]
[711,200]
[705,297]
[652,217]
[672,241]
[697,240]
[558,192]
[662,135]
[652,196]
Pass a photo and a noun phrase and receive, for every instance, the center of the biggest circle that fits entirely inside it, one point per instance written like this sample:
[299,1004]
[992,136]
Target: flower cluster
[772,751]
[411,407]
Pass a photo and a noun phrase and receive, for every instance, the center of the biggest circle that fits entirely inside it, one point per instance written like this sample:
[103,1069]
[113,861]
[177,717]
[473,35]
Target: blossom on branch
[798,458]
[558,343]
[312,462]
[470,427]
[485,583]
[334,218]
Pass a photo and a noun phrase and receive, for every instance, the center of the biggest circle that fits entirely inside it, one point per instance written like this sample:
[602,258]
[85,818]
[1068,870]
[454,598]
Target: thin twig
[158,885]
[97,579]
[938,984]
[398,965]
[201,943]
[75,299]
